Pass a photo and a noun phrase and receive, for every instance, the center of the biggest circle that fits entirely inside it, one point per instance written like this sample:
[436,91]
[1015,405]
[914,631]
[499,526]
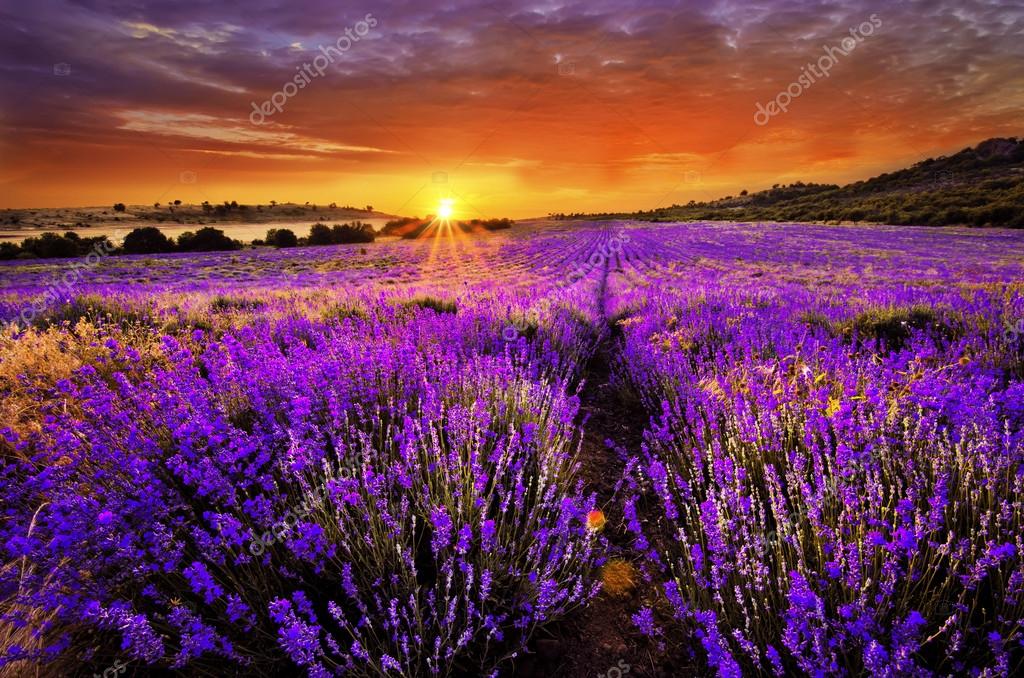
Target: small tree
[282,237]
[50,246]
[8,250]
[206,239]
[350,233]
[320,234]
[119,207]
[147,240]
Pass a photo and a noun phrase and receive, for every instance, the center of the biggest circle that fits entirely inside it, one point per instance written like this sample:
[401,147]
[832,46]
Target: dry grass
[30,364]
[618,578]
[24,637]
[37,359]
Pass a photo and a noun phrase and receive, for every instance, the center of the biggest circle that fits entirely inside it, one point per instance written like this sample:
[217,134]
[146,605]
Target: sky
[508,108]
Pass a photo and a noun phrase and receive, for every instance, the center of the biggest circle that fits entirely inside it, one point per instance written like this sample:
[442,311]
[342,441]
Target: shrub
[281,237]
[206,239]
[356,232]
[147,240]
[890,327]
[434,303]
[49,246]
[223,303]
[320,234]
[309,514]
[9,250]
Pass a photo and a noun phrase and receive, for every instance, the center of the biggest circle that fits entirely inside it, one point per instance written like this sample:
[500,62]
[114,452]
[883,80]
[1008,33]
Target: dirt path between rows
[600,639]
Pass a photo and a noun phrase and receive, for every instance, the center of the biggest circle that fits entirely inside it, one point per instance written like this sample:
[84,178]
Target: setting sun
[572,337]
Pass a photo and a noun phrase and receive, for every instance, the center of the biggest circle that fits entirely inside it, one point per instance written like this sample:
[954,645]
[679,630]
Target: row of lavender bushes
[389,491]
[833,473]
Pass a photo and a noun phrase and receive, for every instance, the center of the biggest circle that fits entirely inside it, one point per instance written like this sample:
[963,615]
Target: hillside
[176,212]
[980,186]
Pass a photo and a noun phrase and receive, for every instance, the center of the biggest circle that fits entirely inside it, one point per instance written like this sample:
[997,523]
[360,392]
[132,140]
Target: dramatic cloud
[529,108]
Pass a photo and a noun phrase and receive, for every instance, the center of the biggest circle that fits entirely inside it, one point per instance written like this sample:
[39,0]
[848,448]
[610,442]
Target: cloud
[654,86]
[230,131]
[209,41]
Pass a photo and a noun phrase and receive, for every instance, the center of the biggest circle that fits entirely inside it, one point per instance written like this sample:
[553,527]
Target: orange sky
[525,109]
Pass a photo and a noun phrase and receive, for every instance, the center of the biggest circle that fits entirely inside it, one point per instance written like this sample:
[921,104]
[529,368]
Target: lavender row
[834,457]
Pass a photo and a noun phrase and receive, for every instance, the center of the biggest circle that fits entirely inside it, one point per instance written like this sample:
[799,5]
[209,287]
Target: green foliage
[282,237]
[340,234]
[206,239]
[319,234]
[53,245]
[8,250]
[97,309]
[50,245]
[147,240]
[433,303]
[224,303]
[892,327]
[356,232]
[405,227]
[342,310]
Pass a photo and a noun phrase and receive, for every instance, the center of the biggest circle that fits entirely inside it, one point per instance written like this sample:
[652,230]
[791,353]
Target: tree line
[151,240]
[321,234]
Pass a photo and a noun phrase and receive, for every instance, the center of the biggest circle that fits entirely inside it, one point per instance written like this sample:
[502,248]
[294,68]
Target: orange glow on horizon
[602,109]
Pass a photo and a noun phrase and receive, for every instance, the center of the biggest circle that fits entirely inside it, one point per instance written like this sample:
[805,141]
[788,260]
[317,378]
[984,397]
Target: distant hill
[980,186]
[60,219]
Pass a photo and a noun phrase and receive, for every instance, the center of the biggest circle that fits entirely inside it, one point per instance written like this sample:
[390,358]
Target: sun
[444,210]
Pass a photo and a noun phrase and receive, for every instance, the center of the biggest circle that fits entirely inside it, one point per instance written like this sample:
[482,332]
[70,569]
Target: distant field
[550,450]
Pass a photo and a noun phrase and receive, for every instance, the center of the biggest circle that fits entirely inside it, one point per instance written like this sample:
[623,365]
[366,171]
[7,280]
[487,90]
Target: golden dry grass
[618,578]
[39,358]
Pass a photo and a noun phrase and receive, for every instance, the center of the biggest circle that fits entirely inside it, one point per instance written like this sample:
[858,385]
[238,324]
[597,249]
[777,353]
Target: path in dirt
[600,639]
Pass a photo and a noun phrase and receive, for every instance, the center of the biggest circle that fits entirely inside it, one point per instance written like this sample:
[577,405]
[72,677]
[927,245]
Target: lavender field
[599,448]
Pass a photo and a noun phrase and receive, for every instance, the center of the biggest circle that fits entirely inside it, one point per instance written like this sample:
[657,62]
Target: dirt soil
[600,639]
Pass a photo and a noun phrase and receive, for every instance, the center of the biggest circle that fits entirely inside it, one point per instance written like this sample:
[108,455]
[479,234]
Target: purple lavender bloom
[644,622]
